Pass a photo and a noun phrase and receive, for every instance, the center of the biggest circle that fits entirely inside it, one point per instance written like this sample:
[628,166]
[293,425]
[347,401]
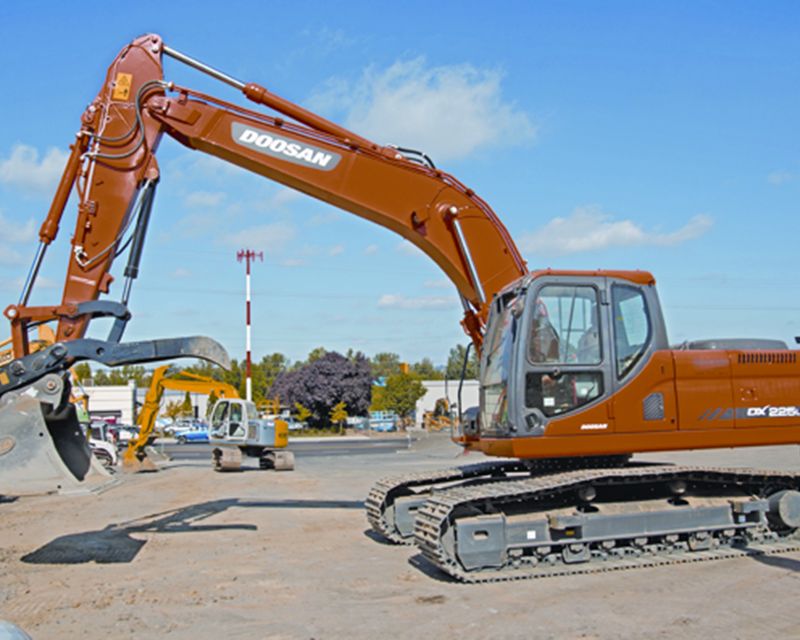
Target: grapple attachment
[42,446]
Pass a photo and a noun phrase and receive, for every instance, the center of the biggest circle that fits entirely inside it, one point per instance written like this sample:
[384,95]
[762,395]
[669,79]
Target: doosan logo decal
[284,148]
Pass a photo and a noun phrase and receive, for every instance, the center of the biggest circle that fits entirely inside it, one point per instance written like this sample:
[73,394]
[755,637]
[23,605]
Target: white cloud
[24,169]
[265,237]
[780,177]
[327,217]
[205,199]
[589,229]
[447,111]
[442,283]
[293,262]
[181,272]
[16,284]
[13,237]
[395,301]
[371,249]
[408,249]
[285,196]
[336,250]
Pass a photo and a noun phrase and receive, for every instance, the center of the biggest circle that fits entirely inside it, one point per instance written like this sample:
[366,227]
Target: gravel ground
[187,553]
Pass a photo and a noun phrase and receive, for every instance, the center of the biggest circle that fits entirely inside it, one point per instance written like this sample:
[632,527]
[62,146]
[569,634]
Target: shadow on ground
[115,543]
[780,562]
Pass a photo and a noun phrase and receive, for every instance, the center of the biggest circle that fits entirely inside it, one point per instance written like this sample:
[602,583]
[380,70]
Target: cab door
[567,356]
[643,369]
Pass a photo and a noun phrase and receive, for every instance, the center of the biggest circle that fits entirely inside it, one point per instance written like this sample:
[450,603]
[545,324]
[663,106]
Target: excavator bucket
[132,462]
[43,452]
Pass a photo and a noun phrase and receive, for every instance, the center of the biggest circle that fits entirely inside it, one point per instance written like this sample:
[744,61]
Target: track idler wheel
[784,509]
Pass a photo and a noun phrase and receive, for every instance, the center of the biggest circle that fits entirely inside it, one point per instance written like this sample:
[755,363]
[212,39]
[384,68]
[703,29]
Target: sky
[625,135]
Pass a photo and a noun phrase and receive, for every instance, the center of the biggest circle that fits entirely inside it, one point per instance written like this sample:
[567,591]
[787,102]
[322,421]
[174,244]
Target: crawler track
[435,522]
[382,496]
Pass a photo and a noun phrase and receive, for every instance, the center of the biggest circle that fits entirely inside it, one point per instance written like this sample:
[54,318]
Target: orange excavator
[576,369]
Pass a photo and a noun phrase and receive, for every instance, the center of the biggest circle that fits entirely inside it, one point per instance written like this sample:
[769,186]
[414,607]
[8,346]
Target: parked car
[197,435]
[105,452]
[186,426]
[294,425]
[123,434]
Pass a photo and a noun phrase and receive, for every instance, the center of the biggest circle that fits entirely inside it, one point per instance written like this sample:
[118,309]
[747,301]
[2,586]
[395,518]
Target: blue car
[200,435]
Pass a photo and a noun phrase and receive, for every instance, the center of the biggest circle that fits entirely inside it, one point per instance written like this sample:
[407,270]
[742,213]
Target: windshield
[498,352]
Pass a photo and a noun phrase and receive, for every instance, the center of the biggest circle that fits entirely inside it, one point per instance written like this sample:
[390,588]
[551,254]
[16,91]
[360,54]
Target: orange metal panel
[703,386]
[658,377]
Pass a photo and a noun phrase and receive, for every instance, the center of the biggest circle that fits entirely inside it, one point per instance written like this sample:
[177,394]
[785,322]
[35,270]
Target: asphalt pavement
[302,447]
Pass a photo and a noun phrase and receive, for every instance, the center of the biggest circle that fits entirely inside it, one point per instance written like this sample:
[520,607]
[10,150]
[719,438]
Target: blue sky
[658,136]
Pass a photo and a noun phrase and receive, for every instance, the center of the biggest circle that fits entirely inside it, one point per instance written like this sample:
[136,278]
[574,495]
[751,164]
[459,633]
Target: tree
[456,360]
[186,405]
[426,370]
[402,392]
[324,382]
[212,400]
[82,371]
[272,366]
[378,399]
[384,365]
[316,354]
[303,413]
[339,414]
[173,410]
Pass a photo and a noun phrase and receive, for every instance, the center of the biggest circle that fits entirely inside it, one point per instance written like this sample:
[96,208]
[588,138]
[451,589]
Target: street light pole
[247,255]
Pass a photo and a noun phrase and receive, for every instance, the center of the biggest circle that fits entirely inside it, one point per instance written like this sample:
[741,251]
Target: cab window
[632,327]
[218,418]
[565,326]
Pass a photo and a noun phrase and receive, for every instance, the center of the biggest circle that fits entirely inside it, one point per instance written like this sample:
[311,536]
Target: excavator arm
[113,168]
[113,172]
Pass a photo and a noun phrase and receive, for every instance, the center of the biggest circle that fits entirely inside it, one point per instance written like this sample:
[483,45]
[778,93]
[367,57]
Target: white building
[114,402]
[447,389]
[119,403]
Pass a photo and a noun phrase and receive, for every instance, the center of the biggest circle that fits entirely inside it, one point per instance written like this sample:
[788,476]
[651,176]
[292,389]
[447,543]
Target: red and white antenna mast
[247,255]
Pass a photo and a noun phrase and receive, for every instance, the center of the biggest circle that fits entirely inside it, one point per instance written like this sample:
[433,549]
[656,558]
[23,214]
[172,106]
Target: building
[447,389]
[120,403]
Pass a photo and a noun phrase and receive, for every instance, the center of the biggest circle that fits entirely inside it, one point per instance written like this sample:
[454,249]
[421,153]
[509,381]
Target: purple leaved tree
[326,381]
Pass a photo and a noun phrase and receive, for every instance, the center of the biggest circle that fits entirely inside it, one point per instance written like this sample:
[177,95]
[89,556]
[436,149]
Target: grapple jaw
[43,448]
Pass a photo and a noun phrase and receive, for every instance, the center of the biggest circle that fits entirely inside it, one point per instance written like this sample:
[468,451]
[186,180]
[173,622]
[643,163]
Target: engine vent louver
[767,357]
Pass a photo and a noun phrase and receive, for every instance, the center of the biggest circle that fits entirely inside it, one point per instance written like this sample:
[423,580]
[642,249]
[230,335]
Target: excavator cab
[559,344]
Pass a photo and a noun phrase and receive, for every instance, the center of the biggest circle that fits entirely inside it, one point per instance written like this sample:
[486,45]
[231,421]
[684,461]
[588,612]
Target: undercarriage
[516,520]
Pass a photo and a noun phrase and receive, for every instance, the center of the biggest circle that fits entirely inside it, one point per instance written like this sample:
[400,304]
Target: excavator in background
[236,427]
[136,456]
[576,371]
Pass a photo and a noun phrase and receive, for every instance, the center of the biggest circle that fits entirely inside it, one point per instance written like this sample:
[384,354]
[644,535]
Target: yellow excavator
[135,457]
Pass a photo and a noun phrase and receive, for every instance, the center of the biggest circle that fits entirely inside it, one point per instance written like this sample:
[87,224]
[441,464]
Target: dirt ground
[187,553]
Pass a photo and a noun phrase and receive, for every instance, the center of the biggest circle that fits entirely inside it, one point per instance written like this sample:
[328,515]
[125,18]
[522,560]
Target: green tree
[271,367]
[316,354]
[302,413]
[122,375]
[173,409]
[339,414]
[82,371]
[378,399]
[186,405]
[456,360]
[384,365]
[402,392]
[426,370]
[212,400]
